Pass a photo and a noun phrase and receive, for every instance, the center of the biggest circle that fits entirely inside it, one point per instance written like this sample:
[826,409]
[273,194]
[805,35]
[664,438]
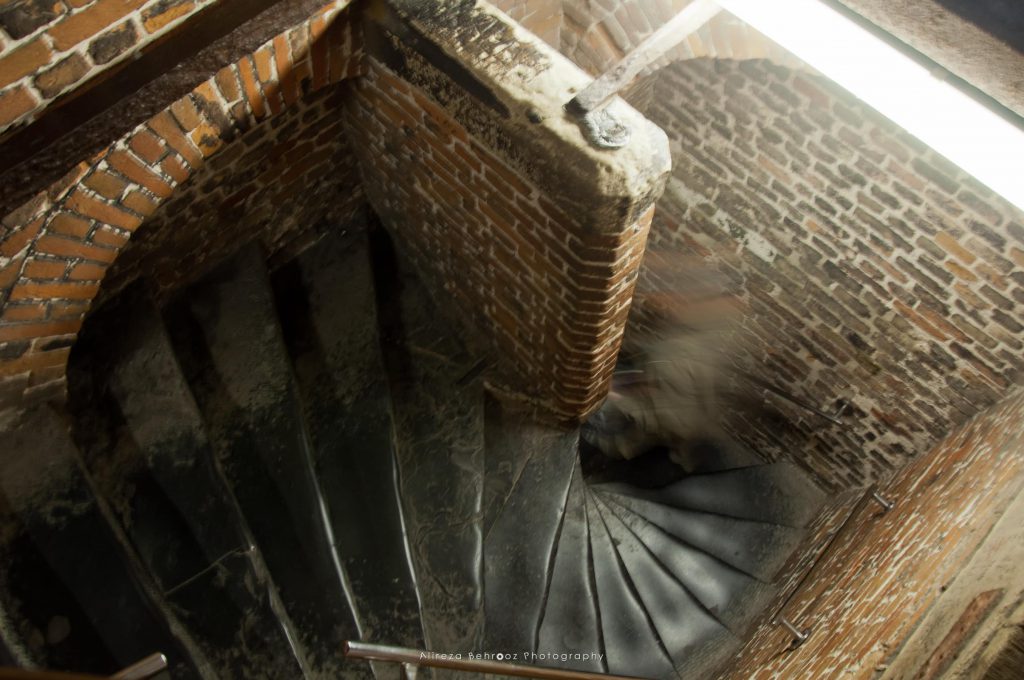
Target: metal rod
[475,371]
[147,668]
[847,522]
[673,32]
[886,504]
[795,400]
[799,636]
[403,655]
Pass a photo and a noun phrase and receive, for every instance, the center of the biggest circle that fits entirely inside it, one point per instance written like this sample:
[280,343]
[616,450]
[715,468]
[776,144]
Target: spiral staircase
[270,463]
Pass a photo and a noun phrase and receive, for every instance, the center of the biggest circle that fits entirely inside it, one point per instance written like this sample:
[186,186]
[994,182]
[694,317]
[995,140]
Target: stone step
[718,586]
[569,624]
[779,493]
[439,442]
[519,545]
[328,315]
[145,442]
[81,600]
[758,549]
[630,639]
[688,631]
[226,335]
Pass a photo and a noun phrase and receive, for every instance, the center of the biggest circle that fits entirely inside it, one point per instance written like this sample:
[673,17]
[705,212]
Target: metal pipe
[795,400]
[140,670]
[416,657]
[847,523]
[671,33]
[600,126]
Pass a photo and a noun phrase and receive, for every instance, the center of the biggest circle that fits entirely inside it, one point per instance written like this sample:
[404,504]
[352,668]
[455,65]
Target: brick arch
[56,250]
[597,34]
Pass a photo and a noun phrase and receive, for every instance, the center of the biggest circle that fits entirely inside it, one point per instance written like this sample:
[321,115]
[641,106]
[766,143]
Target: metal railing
[412,659]
[141,670]
[786,619]
[602,129]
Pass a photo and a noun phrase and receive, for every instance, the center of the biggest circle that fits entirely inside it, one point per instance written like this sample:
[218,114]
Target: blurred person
[669,392]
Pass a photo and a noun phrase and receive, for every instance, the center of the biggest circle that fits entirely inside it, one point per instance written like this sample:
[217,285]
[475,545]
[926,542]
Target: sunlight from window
[961,129]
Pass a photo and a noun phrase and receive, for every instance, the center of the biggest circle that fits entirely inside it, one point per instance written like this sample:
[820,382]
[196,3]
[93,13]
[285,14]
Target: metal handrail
[603,129]
[871,495]
[413,658]
[141,670]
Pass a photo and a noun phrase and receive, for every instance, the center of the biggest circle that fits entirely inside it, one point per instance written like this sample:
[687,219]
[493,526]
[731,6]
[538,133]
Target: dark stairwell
[278,293]
[272,463]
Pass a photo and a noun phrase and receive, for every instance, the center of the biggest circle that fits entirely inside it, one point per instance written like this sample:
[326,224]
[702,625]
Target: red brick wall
[880,579]
[546,292]
[56,249]
[500,202]
[280,182]
[876,273]
[49,47]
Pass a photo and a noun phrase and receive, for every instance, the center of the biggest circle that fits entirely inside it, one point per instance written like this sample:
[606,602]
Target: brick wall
[281,182]
[56,249]
[881,579]
[499,201]
[48,47]
[876,274]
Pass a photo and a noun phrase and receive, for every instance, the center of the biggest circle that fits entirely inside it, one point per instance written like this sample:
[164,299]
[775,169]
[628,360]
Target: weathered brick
[24,61]
[953,247]
[32,311]
[186,113]
[69,225]
[16,240]
[935,176]
[65,247]
[26,331]
[21,19]
[69,309]
[112,238]
[113,43]
[174,168]
[207,139]
[63,75]
[252,90]
[15,103]
[38,268]
[86,272]
[106,184]
[227,83]
[138,173]
[164,125]
[138,202]
[160,14]
[48,291]
[87,205]
[101,14]
[147,146]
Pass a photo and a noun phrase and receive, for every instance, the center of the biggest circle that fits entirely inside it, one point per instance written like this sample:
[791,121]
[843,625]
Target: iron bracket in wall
[799,636]
[886,504]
